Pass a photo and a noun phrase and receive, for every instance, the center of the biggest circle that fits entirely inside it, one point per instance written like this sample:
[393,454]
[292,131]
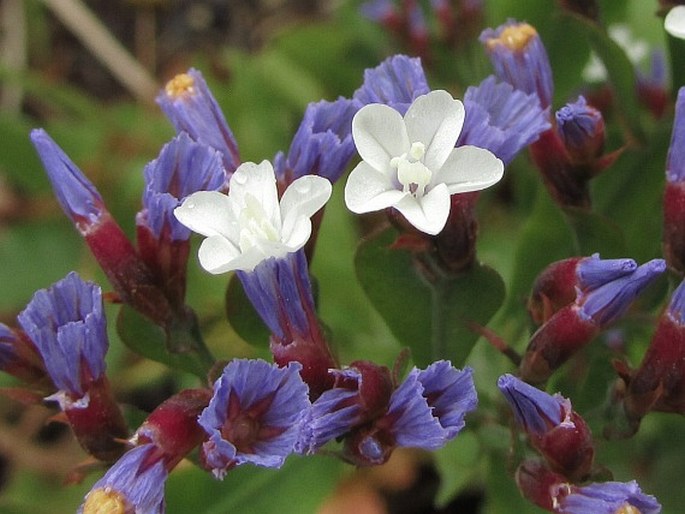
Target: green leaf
[298,487]
[243,317]
[149,340]
[432,320]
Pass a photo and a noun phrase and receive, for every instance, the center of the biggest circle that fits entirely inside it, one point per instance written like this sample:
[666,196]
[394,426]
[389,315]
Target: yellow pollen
[515,38]
[628,509]
[106,501]
[180,85]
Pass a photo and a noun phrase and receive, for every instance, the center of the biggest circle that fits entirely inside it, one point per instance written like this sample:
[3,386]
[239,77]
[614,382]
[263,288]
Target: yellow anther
[180,85]
[515,37]
[106,501]
[628,509]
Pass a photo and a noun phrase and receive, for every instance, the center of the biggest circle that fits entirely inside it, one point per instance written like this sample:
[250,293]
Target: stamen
[180,85]
[515,37]
[106,501]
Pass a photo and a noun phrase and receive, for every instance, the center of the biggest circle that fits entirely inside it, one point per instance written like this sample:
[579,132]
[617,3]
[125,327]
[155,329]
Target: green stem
[439,317]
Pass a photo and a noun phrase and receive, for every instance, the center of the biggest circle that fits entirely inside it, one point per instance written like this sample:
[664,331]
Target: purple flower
[379,11]
[502,119]
[608,498]
[593,272]
[78,197]
[675,162]
[67,324]
[135,484]
[191,108]
[425,411]
[182,168]
[281,292]
[254,416]
[322,144]
[610,301]
[535,410]
[519,58]
[581,128]
[397,82]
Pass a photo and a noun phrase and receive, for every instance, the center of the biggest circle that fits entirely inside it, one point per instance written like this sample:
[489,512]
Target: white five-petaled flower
[674,23]
[410,163]
[249,225]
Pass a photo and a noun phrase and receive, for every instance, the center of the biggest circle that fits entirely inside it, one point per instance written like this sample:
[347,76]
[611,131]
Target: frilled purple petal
[255,415]
[675,162]
[79,199]
[593,272]
[396,82]
[281,292]
[182,168]
[67,324]
[333,414]
[608,498]
[450,392]
[519,58]
[411,419]
[191,107]
[609,302]
[502,119]
[134,484]
[535,410]
[323,143]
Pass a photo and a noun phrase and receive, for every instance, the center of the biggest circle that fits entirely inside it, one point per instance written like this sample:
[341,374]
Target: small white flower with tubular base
[250,225]
[410,163]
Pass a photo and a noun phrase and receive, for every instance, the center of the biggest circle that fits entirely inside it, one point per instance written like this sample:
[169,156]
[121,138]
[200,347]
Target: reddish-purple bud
[173,426]
[674,195]
[537,483]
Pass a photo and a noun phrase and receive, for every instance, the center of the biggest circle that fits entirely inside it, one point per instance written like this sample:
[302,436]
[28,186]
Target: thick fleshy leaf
[435,120]
[379,134]
[404,300]
[208,213]
[469,168]
[428,213]
[369,190]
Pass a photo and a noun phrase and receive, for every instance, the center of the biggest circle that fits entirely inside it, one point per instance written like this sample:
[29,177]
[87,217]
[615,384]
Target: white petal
[259,181]
[379,135]
[208,213]
[674,23]
[428,213]
[217,254]
[298,234]
[303,198]
[435,119]
[368,190]
[249,260]
[470,168]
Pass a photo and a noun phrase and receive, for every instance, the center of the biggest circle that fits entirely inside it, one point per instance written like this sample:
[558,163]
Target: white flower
[248,225]
[674,23]
[411,163]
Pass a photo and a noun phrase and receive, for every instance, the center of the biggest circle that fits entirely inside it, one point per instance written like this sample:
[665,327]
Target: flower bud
[581,128]
[674,194]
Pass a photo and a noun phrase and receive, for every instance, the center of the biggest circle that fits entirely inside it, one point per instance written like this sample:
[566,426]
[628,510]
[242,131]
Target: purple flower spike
[67,324]
[608,498]
[675,162]
[609,302]
[396,82]
[593,272]
[191,107]
[135,484]
[255,415]
[322,144]
[502,119]
[535,410]
[182,168]
[79,199]
[428,408]
[519,58]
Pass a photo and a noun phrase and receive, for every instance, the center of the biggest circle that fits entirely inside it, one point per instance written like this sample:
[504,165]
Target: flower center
[411,172]
[628,509]
[242,432]
[515,37]
[106,501]
[255,226]
[180,85]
